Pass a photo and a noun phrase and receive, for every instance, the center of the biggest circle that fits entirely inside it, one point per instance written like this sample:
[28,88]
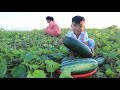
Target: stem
[51,74]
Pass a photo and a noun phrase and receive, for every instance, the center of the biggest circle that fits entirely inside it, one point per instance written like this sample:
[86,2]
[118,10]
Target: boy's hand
[61,41]
[92,50]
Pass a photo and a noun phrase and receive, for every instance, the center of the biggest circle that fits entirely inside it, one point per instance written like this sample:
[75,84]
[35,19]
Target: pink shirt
[54,26]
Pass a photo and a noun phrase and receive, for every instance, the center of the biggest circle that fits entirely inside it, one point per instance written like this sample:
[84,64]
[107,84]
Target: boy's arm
[61,40]
[85,39]
[86,43]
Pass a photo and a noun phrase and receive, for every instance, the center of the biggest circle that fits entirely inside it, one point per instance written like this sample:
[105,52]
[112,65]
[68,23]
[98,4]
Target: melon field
[32,54]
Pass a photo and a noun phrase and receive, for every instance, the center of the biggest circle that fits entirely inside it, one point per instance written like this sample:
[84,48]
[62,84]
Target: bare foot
[92,50]
[71,54]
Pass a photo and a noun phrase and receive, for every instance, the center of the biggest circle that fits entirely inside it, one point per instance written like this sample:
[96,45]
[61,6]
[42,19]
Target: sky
[37,20]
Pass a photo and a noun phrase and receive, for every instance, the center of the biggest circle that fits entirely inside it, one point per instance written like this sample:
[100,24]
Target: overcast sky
[37,20]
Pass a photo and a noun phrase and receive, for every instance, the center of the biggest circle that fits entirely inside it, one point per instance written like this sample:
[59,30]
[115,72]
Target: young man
[78,32]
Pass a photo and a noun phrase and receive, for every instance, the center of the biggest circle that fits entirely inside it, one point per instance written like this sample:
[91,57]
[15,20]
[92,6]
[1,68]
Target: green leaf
[56,56]
[25,63]
[51,66]
[115,45]
[10,55]
[50,46]
[55,43]
[43,57]
[19,71]
[34,66]
[63,49]
[65,74]
[29,75]
[41,66]
[107,66]
[99,74]
[28,57]
[110,54]
[45,51]
[110,73]
[39,74]
[118,50]
[107,48]
[36,74]
[118,62]
[3,67]
[52,49]
[16,52]
[22,51]
[117,69]
[32,49]
[37,58]
[45,45]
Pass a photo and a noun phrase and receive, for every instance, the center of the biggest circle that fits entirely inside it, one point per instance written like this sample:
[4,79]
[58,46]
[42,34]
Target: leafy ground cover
[32,54]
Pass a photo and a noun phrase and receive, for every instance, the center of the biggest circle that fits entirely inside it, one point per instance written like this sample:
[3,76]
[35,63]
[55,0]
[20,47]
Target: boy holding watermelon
[78,32]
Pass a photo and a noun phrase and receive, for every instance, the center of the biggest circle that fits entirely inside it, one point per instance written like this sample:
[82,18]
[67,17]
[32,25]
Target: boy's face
[78,28]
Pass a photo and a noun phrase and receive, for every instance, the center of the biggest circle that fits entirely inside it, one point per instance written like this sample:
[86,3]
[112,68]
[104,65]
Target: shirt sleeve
[51,24]
[85,37]
[68,34]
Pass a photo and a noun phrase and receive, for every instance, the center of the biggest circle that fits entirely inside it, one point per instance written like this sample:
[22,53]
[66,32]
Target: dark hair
[77,19]
[50,18]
